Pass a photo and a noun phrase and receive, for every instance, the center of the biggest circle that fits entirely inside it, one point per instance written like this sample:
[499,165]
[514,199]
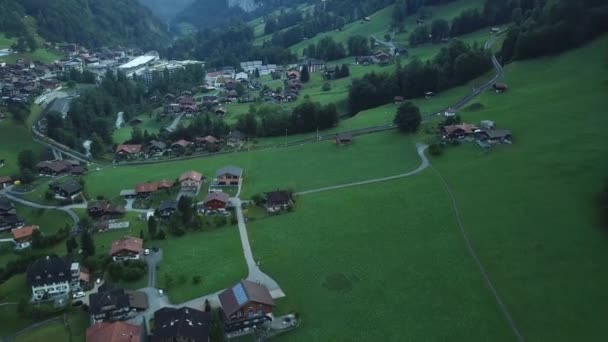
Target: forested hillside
[91,23]
[166,9]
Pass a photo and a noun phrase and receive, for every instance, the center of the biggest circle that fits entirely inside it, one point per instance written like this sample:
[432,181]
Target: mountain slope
[95,23]
[166,9]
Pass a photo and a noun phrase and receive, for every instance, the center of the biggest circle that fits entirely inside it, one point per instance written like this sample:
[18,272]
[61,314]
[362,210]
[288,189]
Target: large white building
[158,68]
[250,67]
[138,63]
[53,277]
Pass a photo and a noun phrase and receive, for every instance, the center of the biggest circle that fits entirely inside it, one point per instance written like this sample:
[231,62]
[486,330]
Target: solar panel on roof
[240,294]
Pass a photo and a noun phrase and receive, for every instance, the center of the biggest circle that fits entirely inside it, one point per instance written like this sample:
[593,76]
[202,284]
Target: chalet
[344,138]
[128,193]
[235,138]
[215,201]
[331,71]
[53,167]
[206,142]
[220,111]
[364,60]
[181,144]
[210,99]
[145,189]
[500,87]
[106,209]
[52,277]
[190,181]
[115,332]
[242,76]
[65,190]
[487,125]
[495,30]
[229,175]
[313,64]
[167,208]
[293,75]
[6,181]
[22,237]
[367,19]
[429,94]
[277,201]
[124,151]
[7,207]
[172,108]
[164,184]
[126,248]
[109,305]
[78,170]
[382,57]
[183,324]
[494,136]
[245,304]
[398,99]
[138,300]
[156,147]
[9,222]
[458,131]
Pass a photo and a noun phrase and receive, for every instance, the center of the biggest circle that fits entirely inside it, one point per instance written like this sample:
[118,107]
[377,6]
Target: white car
[78,295]
[161,292]
[146,251]
[98,281]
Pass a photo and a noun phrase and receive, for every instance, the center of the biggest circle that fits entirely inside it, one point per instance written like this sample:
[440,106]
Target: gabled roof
[130,244]
[69,187]
[23,232]
[230,170]
[164,184]
[146,187]
[209,139]
[6,204]
[191,175]
[113,332]
[217,196]
[157,144]
[182,143]
[344,137]
[236,297]
[278,197]
[48,270]
[100,301]
[54,165]
[6,179]
[130,149]
[181,323]
[466,128]
[168,205]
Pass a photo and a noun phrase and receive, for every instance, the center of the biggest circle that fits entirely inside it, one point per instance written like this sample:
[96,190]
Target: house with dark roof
[206,142]
[229,175]
[156,147]
[494,136]
[235,138]
[145,189]
[7,207]
[66,190]
[458,131]
[184,324]
[277,201]
[98,209]
[6,181]
[53,167]
[344,138]
[9,222]
[127,248]
[109,304]
[115,332]
[245,304]
[167,208]
[215,201]
[50,277]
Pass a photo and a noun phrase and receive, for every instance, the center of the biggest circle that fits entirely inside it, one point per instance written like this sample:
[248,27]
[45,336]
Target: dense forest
[91,23]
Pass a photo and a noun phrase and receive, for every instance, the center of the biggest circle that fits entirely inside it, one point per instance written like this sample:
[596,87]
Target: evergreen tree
[87,244]
[408,117]
[152,225]
[71,244]
[256,73]
[305,75]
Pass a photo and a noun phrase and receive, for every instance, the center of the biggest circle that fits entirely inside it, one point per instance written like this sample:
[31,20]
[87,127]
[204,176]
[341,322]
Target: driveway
[152,260]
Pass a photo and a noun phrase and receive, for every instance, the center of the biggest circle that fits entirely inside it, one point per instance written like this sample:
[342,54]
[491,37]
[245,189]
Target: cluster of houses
[9,221]
[154,148]
[60,167]
[24,79]
[379,57]
[485,134]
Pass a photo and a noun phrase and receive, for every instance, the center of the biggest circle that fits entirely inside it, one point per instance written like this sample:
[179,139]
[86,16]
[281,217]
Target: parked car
[161,292]
[77,303]
[79,294]
[155,249]
[146,251]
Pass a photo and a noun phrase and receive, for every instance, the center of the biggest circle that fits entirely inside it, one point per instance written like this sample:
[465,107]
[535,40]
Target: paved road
[67,210]
[423,165]
[175,122]
[389,44]
[152,260]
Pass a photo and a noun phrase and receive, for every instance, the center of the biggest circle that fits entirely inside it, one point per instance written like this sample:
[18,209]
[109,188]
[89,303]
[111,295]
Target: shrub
[220,221]
[196,280]
[435,149]
[326,86]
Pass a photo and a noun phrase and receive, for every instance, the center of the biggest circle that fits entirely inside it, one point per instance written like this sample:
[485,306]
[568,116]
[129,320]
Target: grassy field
[78,321]
[398,270]
[149,123]
[41,55]
[15,138]
[5,42]
[393,268]
[301,167]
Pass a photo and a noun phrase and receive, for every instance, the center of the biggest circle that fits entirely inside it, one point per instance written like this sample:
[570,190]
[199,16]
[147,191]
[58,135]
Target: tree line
[454,65]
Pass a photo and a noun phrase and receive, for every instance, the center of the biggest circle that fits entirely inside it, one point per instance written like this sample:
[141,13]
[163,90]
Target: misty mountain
[166,9]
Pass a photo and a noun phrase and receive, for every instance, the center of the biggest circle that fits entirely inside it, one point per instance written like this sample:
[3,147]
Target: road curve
[66,210]
[423,165]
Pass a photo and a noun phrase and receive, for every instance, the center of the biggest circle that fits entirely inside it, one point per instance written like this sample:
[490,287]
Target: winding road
[66,209]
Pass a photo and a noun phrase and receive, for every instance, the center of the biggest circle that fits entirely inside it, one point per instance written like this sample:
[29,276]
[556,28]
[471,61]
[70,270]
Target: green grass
[14,289]
[301,167]
[41,55]
[149,123]
[5,42]
[216,256]
[14,138]
[380,263]
[57,331]
[394,266]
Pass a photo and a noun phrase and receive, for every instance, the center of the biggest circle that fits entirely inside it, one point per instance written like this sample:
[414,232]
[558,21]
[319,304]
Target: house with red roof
[191,181]
[125,151]
[23,236]
[115,332]
[127,248]
[146,189]
[246,304]
[215,201]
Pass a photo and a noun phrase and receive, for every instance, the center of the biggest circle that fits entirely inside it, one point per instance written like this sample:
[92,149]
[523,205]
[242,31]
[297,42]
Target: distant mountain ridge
[91,23]
[166,9]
